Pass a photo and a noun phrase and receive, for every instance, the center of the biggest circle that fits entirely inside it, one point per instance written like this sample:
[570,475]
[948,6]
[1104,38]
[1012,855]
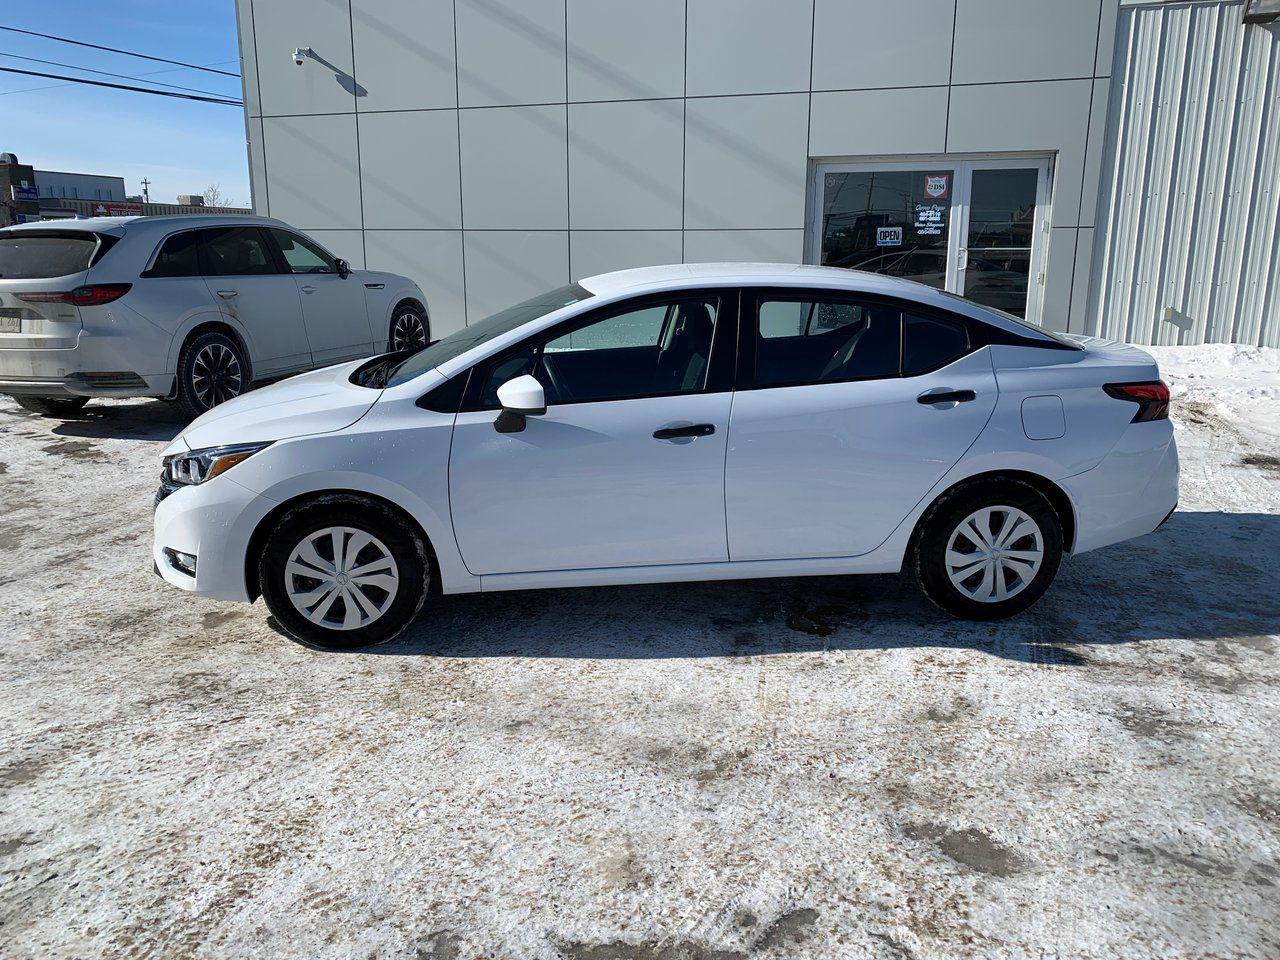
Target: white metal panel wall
[492,149]
[1190,250]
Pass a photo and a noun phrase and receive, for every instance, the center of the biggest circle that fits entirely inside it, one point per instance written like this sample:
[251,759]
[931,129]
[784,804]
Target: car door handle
[946,396]
[308,288]
[677,433]
[227,294]
[374,286]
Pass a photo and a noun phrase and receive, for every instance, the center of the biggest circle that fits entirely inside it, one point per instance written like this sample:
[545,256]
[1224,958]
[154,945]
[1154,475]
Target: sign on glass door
[972,227]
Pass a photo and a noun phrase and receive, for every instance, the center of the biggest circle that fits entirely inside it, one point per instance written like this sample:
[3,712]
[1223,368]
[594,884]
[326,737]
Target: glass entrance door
[973,227]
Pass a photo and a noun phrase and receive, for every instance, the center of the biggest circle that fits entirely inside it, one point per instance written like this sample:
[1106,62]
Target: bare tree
[214,197]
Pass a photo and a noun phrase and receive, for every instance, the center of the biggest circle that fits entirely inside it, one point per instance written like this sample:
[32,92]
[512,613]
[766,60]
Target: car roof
[121,225]
[665,277]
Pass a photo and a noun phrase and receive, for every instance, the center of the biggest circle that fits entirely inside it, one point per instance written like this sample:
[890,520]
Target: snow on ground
[1244,382]
[780,768]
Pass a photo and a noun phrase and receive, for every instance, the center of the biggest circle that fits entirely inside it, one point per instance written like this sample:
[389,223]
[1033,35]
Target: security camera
[300,54]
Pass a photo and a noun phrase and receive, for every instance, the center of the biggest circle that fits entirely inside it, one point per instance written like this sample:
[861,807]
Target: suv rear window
[36,256]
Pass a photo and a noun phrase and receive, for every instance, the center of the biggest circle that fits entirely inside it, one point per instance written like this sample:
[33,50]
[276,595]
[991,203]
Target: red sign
[936,186]
[117,210]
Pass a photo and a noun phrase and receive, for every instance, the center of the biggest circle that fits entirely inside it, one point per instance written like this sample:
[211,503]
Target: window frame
[282,262]
[749,322]
[274,256]
[149,272]
[720,364]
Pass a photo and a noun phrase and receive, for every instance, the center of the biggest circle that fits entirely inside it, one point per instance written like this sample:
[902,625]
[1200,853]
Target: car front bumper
[212,522]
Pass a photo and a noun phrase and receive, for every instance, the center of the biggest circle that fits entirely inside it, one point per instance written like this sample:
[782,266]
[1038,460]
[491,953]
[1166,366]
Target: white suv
[192,308]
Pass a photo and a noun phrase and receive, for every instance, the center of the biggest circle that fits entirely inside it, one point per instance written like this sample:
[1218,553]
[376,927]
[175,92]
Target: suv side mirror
[344,269]
[520,398]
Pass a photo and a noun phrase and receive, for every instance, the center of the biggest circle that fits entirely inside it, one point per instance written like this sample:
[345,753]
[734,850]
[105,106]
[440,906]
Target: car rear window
[27,256]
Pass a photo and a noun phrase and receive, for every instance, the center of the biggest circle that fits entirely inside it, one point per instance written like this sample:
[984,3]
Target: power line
[121,86]
[127,53]
[105,73]
[134,76]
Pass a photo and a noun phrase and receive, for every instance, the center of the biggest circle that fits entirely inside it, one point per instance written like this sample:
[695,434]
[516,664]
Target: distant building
[18,201]
[190,200]
[55,184]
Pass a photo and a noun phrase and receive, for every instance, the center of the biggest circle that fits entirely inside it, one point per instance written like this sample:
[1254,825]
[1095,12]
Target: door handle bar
[947,396]
[693,430]
[227,294]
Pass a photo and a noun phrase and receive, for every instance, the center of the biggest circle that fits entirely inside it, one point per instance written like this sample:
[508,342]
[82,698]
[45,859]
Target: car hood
[317,402]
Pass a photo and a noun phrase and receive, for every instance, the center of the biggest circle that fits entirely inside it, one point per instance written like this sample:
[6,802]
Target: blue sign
[888,236]
[28,194]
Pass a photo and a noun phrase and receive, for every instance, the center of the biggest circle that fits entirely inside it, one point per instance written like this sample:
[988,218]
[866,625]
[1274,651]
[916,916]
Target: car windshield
[1025,324]
[36,256]
[483,331]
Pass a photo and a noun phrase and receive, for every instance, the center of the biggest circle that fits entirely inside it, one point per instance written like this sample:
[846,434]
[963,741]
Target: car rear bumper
[116,362]
[1131,492]
[108,383]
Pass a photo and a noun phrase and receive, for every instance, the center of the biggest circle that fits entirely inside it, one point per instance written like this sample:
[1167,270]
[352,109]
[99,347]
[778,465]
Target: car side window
[177,256]
[930,343]
[301,255]
[659,349]
[235,252]
[806,341]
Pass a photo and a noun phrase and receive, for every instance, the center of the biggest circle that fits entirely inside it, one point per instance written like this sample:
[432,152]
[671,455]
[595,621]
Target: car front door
[626,467]
[333,306]
[834,438]
[240,272]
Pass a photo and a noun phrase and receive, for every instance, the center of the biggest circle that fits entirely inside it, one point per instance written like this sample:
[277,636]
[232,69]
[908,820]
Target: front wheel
[344,572]
[988,549]
[53,406]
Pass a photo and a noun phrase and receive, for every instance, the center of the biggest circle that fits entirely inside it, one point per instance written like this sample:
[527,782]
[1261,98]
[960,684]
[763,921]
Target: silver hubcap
[215,375]
[994,554]
[341,578]
[407,333]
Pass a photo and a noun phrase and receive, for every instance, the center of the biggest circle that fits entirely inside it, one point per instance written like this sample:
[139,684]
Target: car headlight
[197,466]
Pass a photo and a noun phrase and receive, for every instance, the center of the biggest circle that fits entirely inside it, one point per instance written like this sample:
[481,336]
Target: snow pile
[1242,381]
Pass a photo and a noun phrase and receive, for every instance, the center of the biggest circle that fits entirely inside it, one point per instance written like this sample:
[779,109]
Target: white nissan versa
[189,307]
[672,424]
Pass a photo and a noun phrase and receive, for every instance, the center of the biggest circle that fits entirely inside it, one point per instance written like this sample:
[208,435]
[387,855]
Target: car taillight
[1151,396]
[98,294]
[94,295]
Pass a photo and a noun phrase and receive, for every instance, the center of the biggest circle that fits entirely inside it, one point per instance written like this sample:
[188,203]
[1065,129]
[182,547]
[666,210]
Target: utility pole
[146,192]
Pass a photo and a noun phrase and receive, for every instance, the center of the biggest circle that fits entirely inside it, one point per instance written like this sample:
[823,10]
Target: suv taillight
[1151,396]
[94,295]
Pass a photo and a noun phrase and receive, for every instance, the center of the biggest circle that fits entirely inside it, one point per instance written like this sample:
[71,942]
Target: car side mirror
[520,398]
[344,269]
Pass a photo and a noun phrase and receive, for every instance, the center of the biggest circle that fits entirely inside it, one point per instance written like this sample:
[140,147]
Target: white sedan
[674,424]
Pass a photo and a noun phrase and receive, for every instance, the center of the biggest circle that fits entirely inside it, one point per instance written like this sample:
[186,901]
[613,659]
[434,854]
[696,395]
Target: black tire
[928,556]
[53,406]
[403,543]
[211,370]
[409,328]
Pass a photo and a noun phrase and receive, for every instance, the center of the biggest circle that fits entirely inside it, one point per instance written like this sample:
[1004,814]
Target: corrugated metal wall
[1190,251]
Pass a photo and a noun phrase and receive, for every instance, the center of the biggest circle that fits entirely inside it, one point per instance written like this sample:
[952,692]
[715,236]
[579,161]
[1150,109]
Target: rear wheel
[53,406]
[344,572]
[211,371]
[408,328]
[988,549]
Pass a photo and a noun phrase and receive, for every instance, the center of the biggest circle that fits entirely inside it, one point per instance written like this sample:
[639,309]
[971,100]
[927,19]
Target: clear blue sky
[181,146]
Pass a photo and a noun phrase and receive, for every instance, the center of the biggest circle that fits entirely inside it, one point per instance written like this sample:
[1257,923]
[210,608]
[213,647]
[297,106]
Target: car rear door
[333,306]
[834,438]
[240,271]
[626,467]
